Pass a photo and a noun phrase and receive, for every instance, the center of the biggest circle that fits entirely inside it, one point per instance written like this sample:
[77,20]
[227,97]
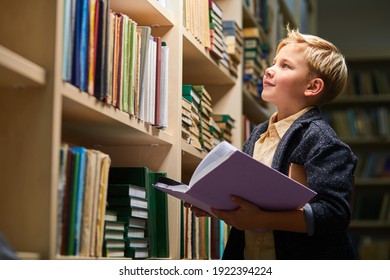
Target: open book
[227,171]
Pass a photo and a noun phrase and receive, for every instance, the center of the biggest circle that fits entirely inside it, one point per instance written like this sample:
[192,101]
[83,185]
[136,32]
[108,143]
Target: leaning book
[227,171]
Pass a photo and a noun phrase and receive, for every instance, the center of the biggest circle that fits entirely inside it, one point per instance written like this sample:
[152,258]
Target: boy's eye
[284,65]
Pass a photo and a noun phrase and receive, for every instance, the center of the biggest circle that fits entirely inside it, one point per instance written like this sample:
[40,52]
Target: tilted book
[227,171]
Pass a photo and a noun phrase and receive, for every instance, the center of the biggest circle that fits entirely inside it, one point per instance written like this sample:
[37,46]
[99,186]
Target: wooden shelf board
[196,57]
[19,72]
[106,125]
[149,12]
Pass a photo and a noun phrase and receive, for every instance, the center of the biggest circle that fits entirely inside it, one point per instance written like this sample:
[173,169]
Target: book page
[214,158]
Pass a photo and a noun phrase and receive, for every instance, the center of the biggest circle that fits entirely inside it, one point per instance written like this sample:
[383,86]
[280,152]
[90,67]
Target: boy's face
[285,82]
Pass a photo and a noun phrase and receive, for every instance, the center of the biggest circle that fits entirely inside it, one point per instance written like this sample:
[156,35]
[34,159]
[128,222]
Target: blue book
[79,196]
[77,45]
[84,39]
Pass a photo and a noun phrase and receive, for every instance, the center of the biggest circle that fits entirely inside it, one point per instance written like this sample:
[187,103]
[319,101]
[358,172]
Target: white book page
[214,158]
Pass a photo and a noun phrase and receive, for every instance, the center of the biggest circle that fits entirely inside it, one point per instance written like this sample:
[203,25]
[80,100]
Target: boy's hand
[246,217]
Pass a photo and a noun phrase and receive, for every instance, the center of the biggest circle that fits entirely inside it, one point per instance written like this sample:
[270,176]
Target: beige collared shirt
[260,245]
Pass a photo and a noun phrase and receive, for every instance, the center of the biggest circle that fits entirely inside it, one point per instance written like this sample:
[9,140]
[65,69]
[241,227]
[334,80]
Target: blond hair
[324,60]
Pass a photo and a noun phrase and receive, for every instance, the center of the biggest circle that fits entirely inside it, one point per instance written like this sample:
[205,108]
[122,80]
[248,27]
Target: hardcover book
[227,171]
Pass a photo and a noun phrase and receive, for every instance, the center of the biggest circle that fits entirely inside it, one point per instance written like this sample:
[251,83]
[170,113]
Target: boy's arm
[249,217]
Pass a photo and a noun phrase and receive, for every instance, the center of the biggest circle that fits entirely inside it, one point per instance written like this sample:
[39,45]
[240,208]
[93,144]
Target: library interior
[102,98]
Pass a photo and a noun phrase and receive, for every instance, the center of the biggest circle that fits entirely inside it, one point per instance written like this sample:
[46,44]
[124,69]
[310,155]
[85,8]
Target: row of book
[106,211]
[202,238]
[375,164]
[221,38]
[360,122]
[82,192]
[111,57]
[367,83]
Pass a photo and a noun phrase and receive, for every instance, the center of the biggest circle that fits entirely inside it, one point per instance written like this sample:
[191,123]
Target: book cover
[227,171]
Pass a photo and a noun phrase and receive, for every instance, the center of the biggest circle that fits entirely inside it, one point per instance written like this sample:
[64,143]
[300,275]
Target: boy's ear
[314,87]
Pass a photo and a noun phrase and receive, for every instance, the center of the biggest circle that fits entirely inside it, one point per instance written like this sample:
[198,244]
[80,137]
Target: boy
[306,73]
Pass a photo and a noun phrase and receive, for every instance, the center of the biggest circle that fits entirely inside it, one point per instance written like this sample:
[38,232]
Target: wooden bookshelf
[19,72]
[43,111]
[369,185]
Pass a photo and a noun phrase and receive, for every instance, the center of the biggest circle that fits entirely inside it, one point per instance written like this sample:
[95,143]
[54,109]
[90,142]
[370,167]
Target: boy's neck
[283,114]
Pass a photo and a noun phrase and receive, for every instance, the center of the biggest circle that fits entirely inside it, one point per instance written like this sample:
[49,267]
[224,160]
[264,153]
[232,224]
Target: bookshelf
[360,117]
[41,111]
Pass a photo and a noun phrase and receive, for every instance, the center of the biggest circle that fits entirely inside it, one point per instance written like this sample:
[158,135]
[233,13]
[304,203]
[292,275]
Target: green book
[132,64]
[126,189]
[161,237]
[125,66]
[137,253]
[73,204]
[224,118]
[127,201]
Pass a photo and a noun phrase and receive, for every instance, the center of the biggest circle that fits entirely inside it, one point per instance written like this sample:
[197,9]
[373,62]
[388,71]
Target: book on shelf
[156,221]
[115,233]
[226,124]
[137,253]
[128,200]
[112,58]
[223,169]
[101,67]
[115,225]
[134,211]
[126,189]
[82,201]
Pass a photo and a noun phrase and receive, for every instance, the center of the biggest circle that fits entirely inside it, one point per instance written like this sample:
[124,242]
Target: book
[127,201]
[227,171]
[126,189]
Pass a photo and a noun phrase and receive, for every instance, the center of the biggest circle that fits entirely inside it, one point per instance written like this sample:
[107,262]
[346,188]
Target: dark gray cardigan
[329,164]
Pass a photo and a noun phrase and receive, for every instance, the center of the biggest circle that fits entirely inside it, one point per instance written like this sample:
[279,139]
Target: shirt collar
[283,125]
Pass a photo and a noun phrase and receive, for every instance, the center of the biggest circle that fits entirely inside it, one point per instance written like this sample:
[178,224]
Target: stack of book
[129,201]
[186,120]
[234,43]
[216,132]
[146,219]
[82,195]
[194,98]
[254,61]
[217,40]
[226,125]
[205,113]
[114,244]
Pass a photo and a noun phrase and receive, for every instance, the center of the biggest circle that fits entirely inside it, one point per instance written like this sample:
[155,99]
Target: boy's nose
[269,72]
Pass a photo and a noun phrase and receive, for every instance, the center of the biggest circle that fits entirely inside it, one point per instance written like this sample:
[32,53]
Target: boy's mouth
[268,83]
